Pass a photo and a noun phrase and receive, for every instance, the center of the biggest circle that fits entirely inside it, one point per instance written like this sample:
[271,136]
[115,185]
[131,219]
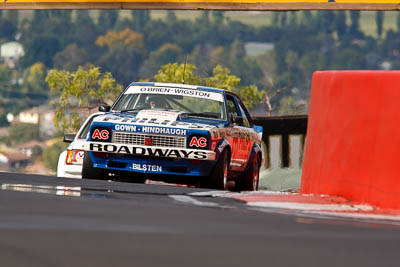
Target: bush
[3,120]
[51,154]
[23,132]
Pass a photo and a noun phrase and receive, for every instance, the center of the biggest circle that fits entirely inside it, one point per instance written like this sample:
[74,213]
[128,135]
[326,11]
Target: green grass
[368,23]
[255,18]
[264,18]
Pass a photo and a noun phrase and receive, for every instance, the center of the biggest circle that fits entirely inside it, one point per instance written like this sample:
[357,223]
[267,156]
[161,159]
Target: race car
[70,160]
[175,133]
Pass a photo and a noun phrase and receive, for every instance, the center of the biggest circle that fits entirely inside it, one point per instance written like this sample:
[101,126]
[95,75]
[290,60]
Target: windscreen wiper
[200,114]
[131,109]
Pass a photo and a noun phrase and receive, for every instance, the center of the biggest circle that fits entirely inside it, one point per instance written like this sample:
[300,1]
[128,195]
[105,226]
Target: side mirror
[104,108]
[69,138]
[259,130]
[238,120]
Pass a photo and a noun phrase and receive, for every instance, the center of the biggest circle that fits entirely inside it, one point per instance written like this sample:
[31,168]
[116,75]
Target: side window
[125,102]
[231,107]
[83,134]
[246,121]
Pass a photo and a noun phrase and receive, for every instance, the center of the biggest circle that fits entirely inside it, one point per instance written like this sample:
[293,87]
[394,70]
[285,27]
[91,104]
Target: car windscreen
[192,102]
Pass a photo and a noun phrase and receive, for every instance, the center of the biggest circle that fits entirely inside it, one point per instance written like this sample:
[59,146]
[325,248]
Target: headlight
[74,157]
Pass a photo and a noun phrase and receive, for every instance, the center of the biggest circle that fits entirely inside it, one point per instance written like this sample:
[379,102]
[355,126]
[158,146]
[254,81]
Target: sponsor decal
[222,146]
[162,130]
[175,91]
[146,167]
[198,142]
[150,151]
[79,156]
[257,148]
[149,129]
[125,128]
[159,115]
[100,134]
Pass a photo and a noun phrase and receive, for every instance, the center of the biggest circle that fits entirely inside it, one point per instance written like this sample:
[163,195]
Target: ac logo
[100,135]
[198,142]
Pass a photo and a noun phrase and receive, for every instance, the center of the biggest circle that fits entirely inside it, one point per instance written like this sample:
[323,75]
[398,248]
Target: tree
[218,17]
[325,21]
[349,58]
[171,17]
[126,37]
[221,78]
[23,132]
[379,23]
[107,19]
[41,48]
[123,62]
[83,17]
[125,47]
[340,24]
[78,92]
[7,29]
[34,84]
[293,18]
[287,105]
[71,58]
[307,17]
[168,53]
[204,19]
[140,19]
[5,77]
[39,16]
[355,22]
[176,73]
[13,16]
[398,21]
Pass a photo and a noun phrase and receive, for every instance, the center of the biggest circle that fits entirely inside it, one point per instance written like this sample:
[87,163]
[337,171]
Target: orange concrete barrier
[353,137]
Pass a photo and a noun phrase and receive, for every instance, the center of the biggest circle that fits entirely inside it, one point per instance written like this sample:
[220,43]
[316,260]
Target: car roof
[177,85]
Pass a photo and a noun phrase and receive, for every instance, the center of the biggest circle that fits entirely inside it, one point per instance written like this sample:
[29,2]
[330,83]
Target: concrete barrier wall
[353,137]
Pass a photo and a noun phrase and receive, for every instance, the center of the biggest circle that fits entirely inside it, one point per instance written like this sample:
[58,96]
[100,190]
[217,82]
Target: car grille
[156,140]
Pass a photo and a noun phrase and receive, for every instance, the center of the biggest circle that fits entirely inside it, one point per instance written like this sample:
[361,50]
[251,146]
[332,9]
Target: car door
[245,132]
[235,133]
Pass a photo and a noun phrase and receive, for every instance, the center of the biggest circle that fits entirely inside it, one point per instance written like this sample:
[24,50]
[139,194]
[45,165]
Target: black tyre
[251,178]
[89,172]
[219,175]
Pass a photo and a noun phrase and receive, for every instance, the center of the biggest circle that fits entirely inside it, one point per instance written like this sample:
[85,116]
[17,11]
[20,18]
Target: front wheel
[251,177]
[89,172]
[219,175]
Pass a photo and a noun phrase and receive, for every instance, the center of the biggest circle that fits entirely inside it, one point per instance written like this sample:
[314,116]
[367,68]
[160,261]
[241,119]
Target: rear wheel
[89,172]
[219,175]
[251,178]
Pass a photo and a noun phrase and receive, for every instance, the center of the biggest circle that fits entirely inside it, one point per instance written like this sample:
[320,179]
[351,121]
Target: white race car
[70,161]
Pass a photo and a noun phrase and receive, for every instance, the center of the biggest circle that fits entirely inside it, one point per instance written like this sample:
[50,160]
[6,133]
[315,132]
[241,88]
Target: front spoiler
[135,150]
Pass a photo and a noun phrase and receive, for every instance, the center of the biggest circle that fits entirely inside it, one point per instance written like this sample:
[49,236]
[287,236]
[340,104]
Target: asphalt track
[100,223]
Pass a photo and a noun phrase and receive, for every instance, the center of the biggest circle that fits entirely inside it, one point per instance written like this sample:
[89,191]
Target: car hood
[156,117]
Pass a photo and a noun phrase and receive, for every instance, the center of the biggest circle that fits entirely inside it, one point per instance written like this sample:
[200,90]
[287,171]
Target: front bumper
[151,160]
[164,152]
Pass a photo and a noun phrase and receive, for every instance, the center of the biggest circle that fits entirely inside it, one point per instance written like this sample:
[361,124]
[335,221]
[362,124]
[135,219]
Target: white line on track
[193,201]
[213,193]
[310,206]
[364,216]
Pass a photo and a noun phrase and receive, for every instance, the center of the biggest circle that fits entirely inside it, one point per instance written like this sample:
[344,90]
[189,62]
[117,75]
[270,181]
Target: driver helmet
[156,102]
